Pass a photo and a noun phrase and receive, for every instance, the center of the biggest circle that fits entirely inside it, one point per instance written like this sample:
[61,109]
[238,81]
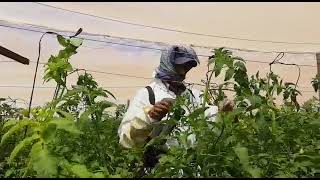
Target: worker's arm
[136,124]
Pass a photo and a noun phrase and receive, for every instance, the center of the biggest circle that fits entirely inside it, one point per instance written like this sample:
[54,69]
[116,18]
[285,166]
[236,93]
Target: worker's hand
[228,105]
[159,110]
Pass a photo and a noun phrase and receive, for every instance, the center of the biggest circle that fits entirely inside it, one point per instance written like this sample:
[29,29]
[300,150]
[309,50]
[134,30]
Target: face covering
[173,55]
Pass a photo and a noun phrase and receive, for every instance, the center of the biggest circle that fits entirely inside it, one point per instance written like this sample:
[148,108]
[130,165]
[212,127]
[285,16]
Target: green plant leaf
[76,41]
[84,120]
[255,173]
[98,175]
[239,58]
[255,101]
[279,90]
[43,162]
[106,104]
[241,66]
[218,64]
[26,142]
[110,94]
[230,140]
[17,128]
[287,84]
[197,112]
[8,173]
[242,154]
[81,171]
[65,115]
[315,87]
[229,62]
[49,132]
[62,41]
[66,125]
[229,74]
[10,123]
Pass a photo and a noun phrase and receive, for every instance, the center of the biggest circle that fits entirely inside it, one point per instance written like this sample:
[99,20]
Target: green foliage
[74,136]
[257,139]
[58,66]
[8,111]
[16,129]
[27,141]
[42,161]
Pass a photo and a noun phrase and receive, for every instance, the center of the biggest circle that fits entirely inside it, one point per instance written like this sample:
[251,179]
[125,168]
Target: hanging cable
[174,30]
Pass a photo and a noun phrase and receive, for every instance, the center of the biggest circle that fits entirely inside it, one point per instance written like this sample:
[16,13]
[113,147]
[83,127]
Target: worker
[149,106]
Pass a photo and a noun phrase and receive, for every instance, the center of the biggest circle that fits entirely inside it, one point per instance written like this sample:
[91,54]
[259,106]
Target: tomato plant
[258,139]
[74,135]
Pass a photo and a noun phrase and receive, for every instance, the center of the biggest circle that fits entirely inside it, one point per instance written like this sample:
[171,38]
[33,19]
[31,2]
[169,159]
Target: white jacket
[137,125]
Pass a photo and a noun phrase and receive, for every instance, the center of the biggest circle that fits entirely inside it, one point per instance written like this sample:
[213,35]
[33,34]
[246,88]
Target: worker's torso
[161,91]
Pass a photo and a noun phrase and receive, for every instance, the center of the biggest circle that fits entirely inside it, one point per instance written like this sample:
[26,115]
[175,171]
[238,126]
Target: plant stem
[205,98]
[61,94]
[57,92]
[98,136]
[220,135]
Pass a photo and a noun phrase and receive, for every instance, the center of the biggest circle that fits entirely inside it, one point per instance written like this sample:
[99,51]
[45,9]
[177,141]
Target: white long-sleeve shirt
[136,125]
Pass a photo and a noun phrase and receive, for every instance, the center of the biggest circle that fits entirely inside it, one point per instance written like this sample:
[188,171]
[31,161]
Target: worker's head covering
[175,54]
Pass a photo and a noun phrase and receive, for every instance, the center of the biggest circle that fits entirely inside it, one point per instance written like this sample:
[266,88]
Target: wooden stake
[12,55]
